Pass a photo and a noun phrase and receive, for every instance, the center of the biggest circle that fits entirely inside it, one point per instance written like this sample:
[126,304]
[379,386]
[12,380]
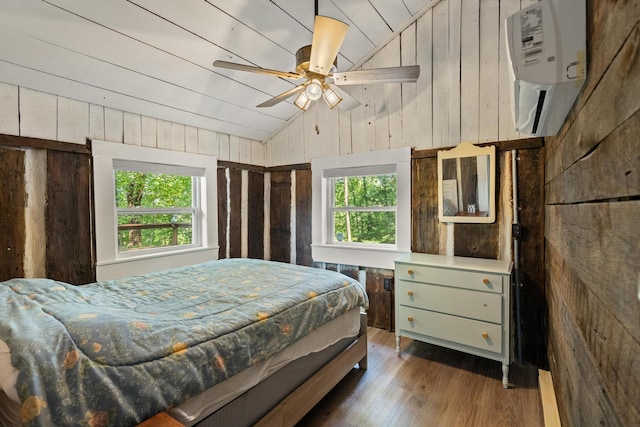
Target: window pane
[152,190]
[154,231]
[365,191]
[365,227]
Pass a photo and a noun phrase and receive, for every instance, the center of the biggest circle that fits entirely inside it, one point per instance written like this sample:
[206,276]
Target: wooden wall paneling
[424,205]
[114,125]
[424,58]
[408,56]
[223,212]
[280,216]
[380,312]
[38,114]
[258,153]
[163,134]
[441,80]
[591,257]
[9,117]
[477,240]
[469,70]
[506,127]
[132,128]
[303,217]
[235,218]
[35,165]
[488,114]
[234,148]
[208,142]
[96,122]
[530,177]
[12,218]
[255,220]
[191,139]
[69,218]
[454,63]
[224,147]
[73,120]
[580,389]
[344,132]
[611,170]
[244,150]
[359,142]
[177,137]
[148,131]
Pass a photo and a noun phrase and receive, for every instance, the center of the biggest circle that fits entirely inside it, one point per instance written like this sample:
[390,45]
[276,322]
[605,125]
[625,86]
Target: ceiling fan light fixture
[314,89]
[331,97]
[302,101]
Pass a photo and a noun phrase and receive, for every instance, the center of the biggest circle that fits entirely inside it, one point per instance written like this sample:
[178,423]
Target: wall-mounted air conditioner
[546,44]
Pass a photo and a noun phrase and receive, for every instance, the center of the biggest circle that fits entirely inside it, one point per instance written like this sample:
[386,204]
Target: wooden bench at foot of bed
[296,405]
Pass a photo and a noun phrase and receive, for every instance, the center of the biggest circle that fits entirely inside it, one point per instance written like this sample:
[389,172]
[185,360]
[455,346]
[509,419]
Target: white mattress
[198,407]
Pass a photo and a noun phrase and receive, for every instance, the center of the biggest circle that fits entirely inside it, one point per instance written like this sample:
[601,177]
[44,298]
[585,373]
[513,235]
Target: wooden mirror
[467,184]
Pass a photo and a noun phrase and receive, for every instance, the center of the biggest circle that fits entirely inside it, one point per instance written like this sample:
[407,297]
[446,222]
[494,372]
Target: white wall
[30,113]
[462,93]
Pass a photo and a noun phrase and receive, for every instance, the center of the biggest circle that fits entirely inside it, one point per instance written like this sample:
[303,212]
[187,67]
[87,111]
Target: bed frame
[295,406]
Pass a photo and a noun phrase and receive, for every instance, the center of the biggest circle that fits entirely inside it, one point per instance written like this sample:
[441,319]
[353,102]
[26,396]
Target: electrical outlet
[387,283]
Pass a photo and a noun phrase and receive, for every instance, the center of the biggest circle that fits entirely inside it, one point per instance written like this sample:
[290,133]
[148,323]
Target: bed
[237,341]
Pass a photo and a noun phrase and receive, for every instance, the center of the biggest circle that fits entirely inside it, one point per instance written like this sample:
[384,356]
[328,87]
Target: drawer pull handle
[485,335]
[410,319]
[410,293]
[410,272]
[486,281]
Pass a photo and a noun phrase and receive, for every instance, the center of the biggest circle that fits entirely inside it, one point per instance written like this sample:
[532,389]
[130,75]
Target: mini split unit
[546,44]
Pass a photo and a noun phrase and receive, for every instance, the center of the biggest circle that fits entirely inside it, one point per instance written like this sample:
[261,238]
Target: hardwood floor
[429,386]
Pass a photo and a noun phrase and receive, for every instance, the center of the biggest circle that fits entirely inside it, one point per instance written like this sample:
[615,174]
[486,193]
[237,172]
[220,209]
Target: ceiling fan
[317,63]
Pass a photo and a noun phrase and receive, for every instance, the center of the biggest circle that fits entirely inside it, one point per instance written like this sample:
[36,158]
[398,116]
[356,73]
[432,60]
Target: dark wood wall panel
[303,215]
[223,210]
[235,216]
[280,216]
[530,177]
[255,221]
[12,223]
[424,205]
[592,203]
[68,218]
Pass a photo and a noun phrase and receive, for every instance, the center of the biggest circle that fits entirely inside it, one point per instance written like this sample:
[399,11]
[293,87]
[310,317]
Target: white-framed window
[154,209]
[362,208]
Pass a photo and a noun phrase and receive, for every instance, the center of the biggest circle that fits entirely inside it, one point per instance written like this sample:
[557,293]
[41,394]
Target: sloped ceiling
[154,57]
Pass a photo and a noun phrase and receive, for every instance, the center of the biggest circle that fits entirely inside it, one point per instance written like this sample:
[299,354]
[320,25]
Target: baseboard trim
[548,396]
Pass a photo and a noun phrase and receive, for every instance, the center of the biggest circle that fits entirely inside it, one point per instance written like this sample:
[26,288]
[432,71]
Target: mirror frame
[466,149]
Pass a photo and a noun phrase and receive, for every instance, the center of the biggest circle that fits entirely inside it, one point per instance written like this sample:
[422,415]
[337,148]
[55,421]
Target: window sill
[360,256]
[147,263]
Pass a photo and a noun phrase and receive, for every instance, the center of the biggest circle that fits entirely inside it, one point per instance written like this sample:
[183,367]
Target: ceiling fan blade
[284,95]
[348,102]
[378,75]
[328,35]
[251,69]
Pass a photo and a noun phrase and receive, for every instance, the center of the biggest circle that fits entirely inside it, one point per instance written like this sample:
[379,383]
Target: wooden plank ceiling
[154,57]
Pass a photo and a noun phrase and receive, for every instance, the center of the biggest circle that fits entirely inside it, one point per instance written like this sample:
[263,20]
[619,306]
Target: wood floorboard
[429,386]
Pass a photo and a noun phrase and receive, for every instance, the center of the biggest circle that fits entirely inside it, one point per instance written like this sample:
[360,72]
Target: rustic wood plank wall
[64,209]
[592,204]
[12,220]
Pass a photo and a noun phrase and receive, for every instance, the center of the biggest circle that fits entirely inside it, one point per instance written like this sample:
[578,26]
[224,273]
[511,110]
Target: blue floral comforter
[116,352]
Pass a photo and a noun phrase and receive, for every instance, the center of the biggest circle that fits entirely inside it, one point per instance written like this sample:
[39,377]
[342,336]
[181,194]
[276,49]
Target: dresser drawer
[442,276]
[472,333]
[486,306]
